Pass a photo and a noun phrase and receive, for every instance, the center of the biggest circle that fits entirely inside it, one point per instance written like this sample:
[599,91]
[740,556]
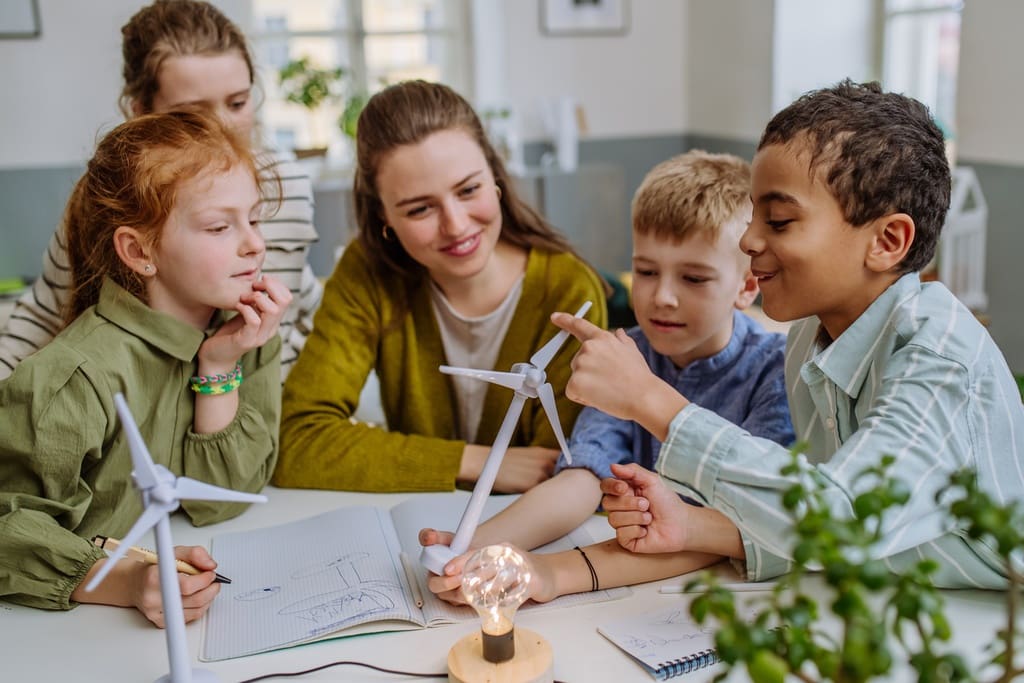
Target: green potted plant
[787,640]
[350,114]
[310,86]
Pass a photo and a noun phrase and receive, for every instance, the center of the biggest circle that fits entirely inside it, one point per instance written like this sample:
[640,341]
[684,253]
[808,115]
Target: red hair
[132,181]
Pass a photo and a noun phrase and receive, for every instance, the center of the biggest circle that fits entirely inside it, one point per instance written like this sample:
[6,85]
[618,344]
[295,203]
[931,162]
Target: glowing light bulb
[496,581]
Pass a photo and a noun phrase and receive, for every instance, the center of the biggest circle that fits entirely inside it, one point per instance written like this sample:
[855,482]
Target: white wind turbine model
[161,493]
[528,381]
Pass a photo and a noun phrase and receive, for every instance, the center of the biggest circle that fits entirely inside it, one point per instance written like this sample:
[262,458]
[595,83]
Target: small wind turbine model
[528,381]
[161,493]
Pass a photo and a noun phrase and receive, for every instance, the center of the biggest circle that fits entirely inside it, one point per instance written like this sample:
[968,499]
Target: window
[376,42]
[921,53]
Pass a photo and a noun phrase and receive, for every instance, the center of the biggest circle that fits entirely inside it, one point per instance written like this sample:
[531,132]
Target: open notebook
[353,570]
[666,643]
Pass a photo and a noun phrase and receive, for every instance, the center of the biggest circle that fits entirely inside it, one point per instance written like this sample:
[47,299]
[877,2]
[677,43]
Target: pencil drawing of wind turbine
[161,495]
[527,380]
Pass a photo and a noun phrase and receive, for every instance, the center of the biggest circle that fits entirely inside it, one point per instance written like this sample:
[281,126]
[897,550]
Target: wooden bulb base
[533,661]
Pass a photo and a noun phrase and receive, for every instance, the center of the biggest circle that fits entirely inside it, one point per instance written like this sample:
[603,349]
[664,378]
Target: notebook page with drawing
[666,643]
[338,574]
[300,581]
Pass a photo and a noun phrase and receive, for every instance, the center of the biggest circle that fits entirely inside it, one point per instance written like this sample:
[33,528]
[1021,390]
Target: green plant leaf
[307,85]
[349,119]
[767,667]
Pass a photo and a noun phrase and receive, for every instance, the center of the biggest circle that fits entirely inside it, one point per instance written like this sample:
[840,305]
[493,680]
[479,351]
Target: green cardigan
[65,466]
[323,447]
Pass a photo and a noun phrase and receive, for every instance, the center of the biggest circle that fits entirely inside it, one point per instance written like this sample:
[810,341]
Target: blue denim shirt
[743,383]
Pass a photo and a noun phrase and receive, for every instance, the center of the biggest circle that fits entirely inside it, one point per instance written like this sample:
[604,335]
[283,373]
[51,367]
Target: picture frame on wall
[19,19]
[584,17]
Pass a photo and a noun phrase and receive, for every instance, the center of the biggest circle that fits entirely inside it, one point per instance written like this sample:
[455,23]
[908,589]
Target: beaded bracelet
[217,384]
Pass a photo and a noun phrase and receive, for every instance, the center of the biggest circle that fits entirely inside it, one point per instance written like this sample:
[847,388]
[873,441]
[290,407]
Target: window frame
[883,17]
[354,35]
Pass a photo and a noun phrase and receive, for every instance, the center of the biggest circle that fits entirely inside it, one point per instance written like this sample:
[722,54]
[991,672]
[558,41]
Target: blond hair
[693,193]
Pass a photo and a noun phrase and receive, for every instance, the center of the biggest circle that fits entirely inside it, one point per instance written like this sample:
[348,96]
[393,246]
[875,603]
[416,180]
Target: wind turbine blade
[547,400]
[147,521]
[512,380]
[142,462]
[541,359]
[192,489]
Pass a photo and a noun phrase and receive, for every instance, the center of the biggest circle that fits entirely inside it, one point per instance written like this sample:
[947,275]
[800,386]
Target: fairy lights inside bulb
[495,582]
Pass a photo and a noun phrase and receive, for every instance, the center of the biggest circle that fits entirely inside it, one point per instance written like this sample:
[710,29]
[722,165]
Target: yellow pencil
[149,557]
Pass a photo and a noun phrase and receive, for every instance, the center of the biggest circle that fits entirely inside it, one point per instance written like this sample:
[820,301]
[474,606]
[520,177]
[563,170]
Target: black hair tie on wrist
[594,585]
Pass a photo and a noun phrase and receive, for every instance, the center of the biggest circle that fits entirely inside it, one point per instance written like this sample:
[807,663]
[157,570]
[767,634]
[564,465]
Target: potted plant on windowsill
[310,86]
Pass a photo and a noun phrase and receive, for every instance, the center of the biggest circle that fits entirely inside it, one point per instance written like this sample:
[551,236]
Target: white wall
[60,91]
[818,44]
[703,66]
[631,85]
[990,100]
[729,67]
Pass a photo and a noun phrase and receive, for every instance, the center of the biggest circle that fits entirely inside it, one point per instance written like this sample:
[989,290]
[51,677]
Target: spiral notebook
[666,643]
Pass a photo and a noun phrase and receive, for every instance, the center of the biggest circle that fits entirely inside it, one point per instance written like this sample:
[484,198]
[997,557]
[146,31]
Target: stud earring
[148,268]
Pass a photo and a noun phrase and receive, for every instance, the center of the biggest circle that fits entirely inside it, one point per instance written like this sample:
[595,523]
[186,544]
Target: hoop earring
[388,237]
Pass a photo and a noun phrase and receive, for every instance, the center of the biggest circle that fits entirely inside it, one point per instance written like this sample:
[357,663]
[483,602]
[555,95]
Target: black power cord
[292,674]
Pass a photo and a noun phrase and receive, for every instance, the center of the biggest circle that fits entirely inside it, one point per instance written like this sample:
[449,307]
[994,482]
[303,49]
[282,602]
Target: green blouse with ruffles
[65,467]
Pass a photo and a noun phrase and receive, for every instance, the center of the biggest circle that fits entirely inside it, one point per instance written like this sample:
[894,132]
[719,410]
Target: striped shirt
[916,376]
[36,318]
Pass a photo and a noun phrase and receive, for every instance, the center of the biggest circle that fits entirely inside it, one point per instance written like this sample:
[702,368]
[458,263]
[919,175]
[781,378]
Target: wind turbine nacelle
[534,376]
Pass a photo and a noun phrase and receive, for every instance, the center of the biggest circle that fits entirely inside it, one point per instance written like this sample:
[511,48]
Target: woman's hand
[521,469]
[259,315]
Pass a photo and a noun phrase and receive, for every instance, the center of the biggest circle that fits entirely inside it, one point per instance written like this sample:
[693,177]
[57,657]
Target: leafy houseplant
[786,640]
[307,85]
[1001,526]
[350,114]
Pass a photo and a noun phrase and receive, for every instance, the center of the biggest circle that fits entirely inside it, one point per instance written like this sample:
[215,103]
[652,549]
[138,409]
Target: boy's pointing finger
[578,327]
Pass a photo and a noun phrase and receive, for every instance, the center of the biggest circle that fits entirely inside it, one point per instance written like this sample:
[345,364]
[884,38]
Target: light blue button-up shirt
[916,376]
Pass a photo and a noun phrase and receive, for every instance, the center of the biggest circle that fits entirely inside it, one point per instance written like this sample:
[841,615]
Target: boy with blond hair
[690,282]
[850,188]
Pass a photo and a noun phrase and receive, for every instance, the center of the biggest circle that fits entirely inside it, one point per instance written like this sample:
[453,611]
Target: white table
[94,643]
